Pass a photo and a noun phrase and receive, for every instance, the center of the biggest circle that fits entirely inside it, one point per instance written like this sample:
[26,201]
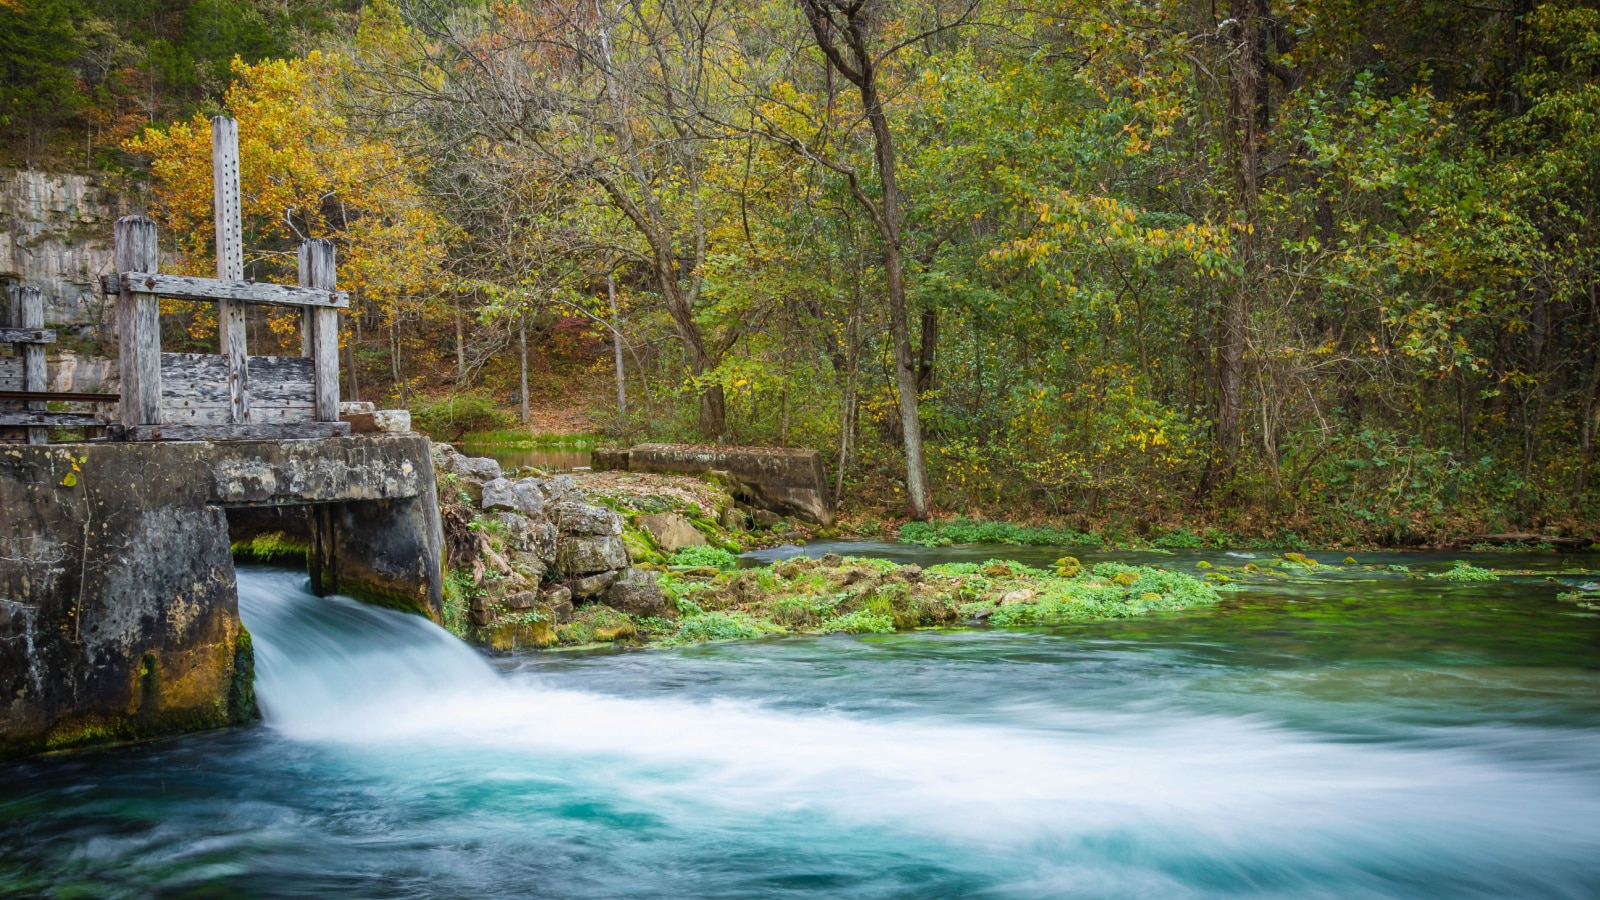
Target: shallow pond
[1357,733]
[551,459]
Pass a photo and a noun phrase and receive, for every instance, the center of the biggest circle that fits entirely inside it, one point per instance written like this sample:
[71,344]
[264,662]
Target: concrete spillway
[118,604]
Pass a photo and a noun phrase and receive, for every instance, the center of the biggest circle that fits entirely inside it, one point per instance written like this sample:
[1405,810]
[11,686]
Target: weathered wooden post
[319,326]
[29,306]
[230,260]
[138,323]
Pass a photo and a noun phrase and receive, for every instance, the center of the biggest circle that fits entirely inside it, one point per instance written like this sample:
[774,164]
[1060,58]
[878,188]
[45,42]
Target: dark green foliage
[970,531]
[453,418]
[39,42]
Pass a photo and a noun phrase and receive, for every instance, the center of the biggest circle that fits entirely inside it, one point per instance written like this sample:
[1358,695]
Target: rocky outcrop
[785,481]
[545,548]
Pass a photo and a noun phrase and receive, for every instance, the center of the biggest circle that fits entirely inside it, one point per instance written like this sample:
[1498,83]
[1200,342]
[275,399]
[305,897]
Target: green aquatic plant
[714,557]
[719,626]
[861,622]
[1465,571]
[973,531]
[1180,539]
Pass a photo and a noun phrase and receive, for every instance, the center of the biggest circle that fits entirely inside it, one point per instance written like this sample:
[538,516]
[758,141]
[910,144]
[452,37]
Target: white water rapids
[1030,798]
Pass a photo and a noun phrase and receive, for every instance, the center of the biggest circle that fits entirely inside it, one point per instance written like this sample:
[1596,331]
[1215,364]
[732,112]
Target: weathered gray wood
[230,260]
[27,335]
[252,432]
[182,287]
[30,305]
[282,390]
[319,328]
[138,324]
[200,378]
[40,421]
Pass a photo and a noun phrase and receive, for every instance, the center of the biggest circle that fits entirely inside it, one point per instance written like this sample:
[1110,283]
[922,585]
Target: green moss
[274,547]
[242,694]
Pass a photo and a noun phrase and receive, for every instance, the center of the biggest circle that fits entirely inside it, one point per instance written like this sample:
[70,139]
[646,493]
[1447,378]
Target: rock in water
[635,591]
[672,532]
[586,555]
[573,517]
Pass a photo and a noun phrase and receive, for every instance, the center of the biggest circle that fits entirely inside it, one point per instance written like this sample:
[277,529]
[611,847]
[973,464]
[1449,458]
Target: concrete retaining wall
[118,606]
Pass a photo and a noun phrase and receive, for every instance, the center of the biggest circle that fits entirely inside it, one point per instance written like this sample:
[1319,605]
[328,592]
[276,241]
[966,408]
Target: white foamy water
[1095,800]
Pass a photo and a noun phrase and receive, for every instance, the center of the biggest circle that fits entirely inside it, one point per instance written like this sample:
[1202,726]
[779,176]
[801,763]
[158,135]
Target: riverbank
[683,579]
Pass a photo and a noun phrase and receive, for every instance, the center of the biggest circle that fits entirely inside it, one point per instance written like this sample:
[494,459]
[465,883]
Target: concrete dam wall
[118,606]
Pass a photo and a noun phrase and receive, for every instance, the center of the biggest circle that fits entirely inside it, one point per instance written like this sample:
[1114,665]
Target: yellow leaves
[303,174]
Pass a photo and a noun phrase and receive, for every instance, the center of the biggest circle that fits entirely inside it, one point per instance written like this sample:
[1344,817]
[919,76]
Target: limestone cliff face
[56,235]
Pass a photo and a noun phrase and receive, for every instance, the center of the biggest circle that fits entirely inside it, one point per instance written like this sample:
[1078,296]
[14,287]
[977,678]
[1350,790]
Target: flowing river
[1351,735]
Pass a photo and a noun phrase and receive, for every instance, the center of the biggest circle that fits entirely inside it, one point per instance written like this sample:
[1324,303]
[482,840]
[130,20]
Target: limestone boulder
[560,487]
[574,517]
[588,554]
[635,591]
[672,532]
[588,587]
[512,496]
[559,599]
[474,468]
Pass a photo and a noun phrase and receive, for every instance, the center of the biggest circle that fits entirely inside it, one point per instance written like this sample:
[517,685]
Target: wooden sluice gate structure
[119,610]
[191,396]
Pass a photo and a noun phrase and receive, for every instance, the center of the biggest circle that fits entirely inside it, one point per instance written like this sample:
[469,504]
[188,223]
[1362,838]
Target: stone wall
[118,606]
[786,481]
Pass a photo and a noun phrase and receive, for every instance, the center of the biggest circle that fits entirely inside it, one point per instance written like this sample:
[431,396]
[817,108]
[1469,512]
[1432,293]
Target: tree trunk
[1245,89]
[861,70]
[616,348]
[355,341]
[522,340]
[461,348]
[905,369]
[929,346]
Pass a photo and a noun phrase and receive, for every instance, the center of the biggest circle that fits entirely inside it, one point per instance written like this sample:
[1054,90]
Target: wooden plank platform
[27,336]
[276,432]
[182,287]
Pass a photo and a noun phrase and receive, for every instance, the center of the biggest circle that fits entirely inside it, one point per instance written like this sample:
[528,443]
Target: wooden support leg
[230,261]
[319,327]
[138,325]
[34,378]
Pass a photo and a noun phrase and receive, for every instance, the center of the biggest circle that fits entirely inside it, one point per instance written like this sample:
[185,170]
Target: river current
[1353,735]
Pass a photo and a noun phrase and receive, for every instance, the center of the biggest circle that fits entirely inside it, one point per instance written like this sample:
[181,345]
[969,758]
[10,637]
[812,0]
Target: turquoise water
[1356,735]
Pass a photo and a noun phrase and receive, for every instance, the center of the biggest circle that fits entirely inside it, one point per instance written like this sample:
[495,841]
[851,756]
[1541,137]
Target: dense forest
[1322,267]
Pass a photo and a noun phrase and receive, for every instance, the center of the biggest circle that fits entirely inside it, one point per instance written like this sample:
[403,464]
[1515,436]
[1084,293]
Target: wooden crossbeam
[27,336]
[60,396]
[181,287]
[253,432]
[39,420]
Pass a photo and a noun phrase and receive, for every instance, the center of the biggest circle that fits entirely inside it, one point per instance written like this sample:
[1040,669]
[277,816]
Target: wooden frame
[183,287]
[196,408]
